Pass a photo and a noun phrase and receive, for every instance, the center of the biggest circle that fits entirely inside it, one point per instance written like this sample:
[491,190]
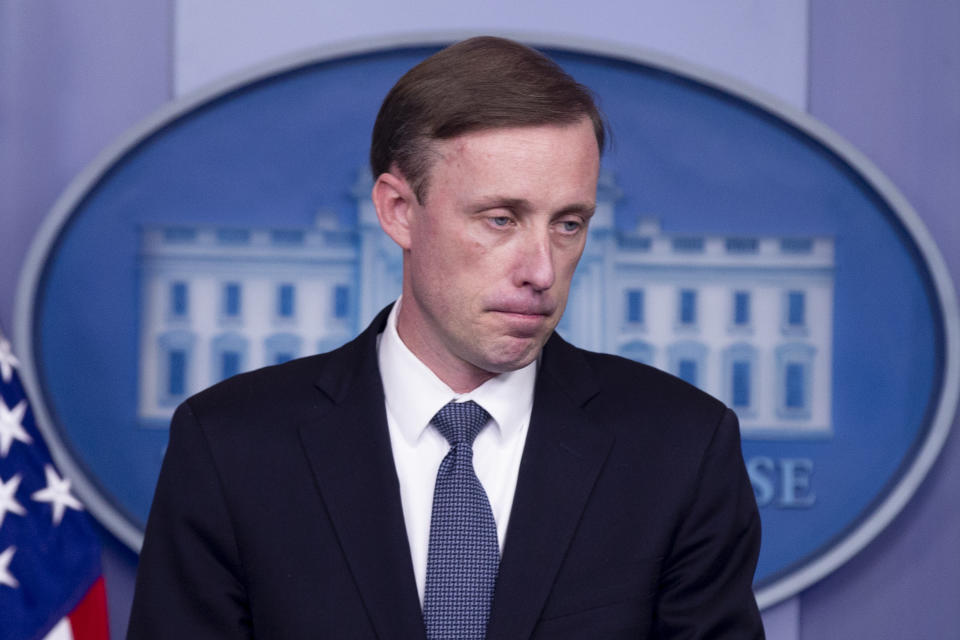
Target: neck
[458,374]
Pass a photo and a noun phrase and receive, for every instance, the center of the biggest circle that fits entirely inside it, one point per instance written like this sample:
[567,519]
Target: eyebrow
[522,204]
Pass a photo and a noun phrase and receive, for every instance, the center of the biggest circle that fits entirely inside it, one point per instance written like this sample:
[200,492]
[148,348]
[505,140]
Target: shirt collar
[414,394]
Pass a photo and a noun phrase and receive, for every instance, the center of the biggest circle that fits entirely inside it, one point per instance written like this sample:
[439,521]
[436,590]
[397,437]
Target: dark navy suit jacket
[277,513]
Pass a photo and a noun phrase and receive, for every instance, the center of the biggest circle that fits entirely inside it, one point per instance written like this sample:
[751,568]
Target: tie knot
[460,422]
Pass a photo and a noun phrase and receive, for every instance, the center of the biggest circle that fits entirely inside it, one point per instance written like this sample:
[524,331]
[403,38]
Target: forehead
[522,135]
[562,157]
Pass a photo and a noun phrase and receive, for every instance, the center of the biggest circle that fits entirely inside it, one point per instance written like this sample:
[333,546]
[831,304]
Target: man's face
[489,254]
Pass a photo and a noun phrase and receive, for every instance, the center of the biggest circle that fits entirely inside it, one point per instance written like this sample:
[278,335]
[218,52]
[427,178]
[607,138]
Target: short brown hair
[480,83]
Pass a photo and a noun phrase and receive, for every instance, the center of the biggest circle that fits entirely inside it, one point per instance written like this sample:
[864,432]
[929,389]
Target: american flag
[50,582]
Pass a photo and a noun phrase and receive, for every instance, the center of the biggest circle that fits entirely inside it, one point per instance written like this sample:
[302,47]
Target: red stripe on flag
[89,619]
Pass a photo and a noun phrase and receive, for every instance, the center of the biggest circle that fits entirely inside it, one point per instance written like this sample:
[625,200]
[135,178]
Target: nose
[534,266]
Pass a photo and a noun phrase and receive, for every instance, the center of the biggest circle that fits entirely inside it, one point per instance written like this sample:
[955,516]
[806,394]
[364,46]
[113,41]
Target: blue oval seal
[738,244]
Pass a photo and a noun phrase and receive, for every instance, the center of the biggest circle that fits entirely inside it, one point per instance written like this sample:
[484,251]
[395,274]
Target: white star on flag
[8,498]
[57,494]
[5,576]
[7,360]
[11,427]
[54,588]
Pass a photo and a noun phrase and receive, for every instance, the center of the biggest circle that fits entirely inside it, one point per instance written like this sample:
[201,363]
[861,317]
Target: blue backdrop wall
[885,75]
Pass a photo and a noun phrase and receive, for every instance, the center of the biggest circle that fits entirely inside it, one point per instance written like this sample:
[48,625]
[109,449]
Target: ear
[394,201]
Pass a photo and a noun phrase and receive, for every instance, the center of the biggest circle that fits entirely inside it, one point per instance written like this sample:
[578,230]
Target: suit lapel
[562,458]
[350,454]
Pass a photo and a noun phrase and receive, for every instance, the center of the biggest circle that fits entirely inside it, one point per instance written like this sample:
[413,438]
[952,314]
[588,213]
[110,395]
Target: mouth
[525,320]
[525,311]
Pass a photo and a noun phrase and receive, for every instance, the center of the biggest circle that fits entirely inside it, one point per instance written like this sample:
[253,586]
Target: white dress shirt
[413,396]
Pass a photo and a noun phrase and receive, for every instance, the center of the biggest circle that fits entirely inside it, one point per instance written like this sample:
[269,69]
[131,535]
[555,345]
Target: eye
[571,226]
[500,221]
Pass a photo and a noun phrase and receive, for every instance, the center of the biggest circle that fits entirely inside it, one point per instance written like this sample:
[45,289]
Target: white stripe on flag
[62,631]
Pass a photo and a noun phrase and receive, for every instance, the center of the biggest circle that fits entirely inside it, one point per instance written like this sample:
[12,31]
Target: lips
[537,311]
[524,321]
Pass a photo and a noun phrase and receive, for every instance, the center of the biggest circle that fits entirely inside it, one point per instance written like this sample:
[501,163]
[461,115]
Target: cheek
[432,254]
[567,261]
[452,278]
[468,259]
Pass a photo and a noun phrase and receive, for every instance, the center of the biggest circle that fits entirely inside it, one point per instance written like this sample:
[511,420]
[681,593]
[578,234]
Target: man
[326,497]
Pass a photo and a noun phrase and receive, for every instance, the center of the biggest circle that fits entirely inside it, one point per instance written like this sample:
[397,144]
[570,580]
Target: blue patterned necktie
[463,555]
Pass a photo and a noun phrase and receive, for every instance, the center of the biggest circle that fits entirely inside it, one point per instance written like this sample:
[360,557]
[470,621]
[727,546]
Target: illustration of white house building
[746,318]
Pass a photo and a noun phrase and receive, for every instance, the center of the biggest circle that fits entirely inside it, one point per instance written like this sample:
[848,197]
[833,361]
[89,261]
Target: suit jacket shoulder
[255,528]
[306,385]
[667,535]
[635,400]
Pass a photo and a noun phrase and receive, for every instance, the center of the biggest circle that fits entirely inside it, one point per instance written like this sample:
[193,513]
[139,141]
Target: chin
[516,356]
